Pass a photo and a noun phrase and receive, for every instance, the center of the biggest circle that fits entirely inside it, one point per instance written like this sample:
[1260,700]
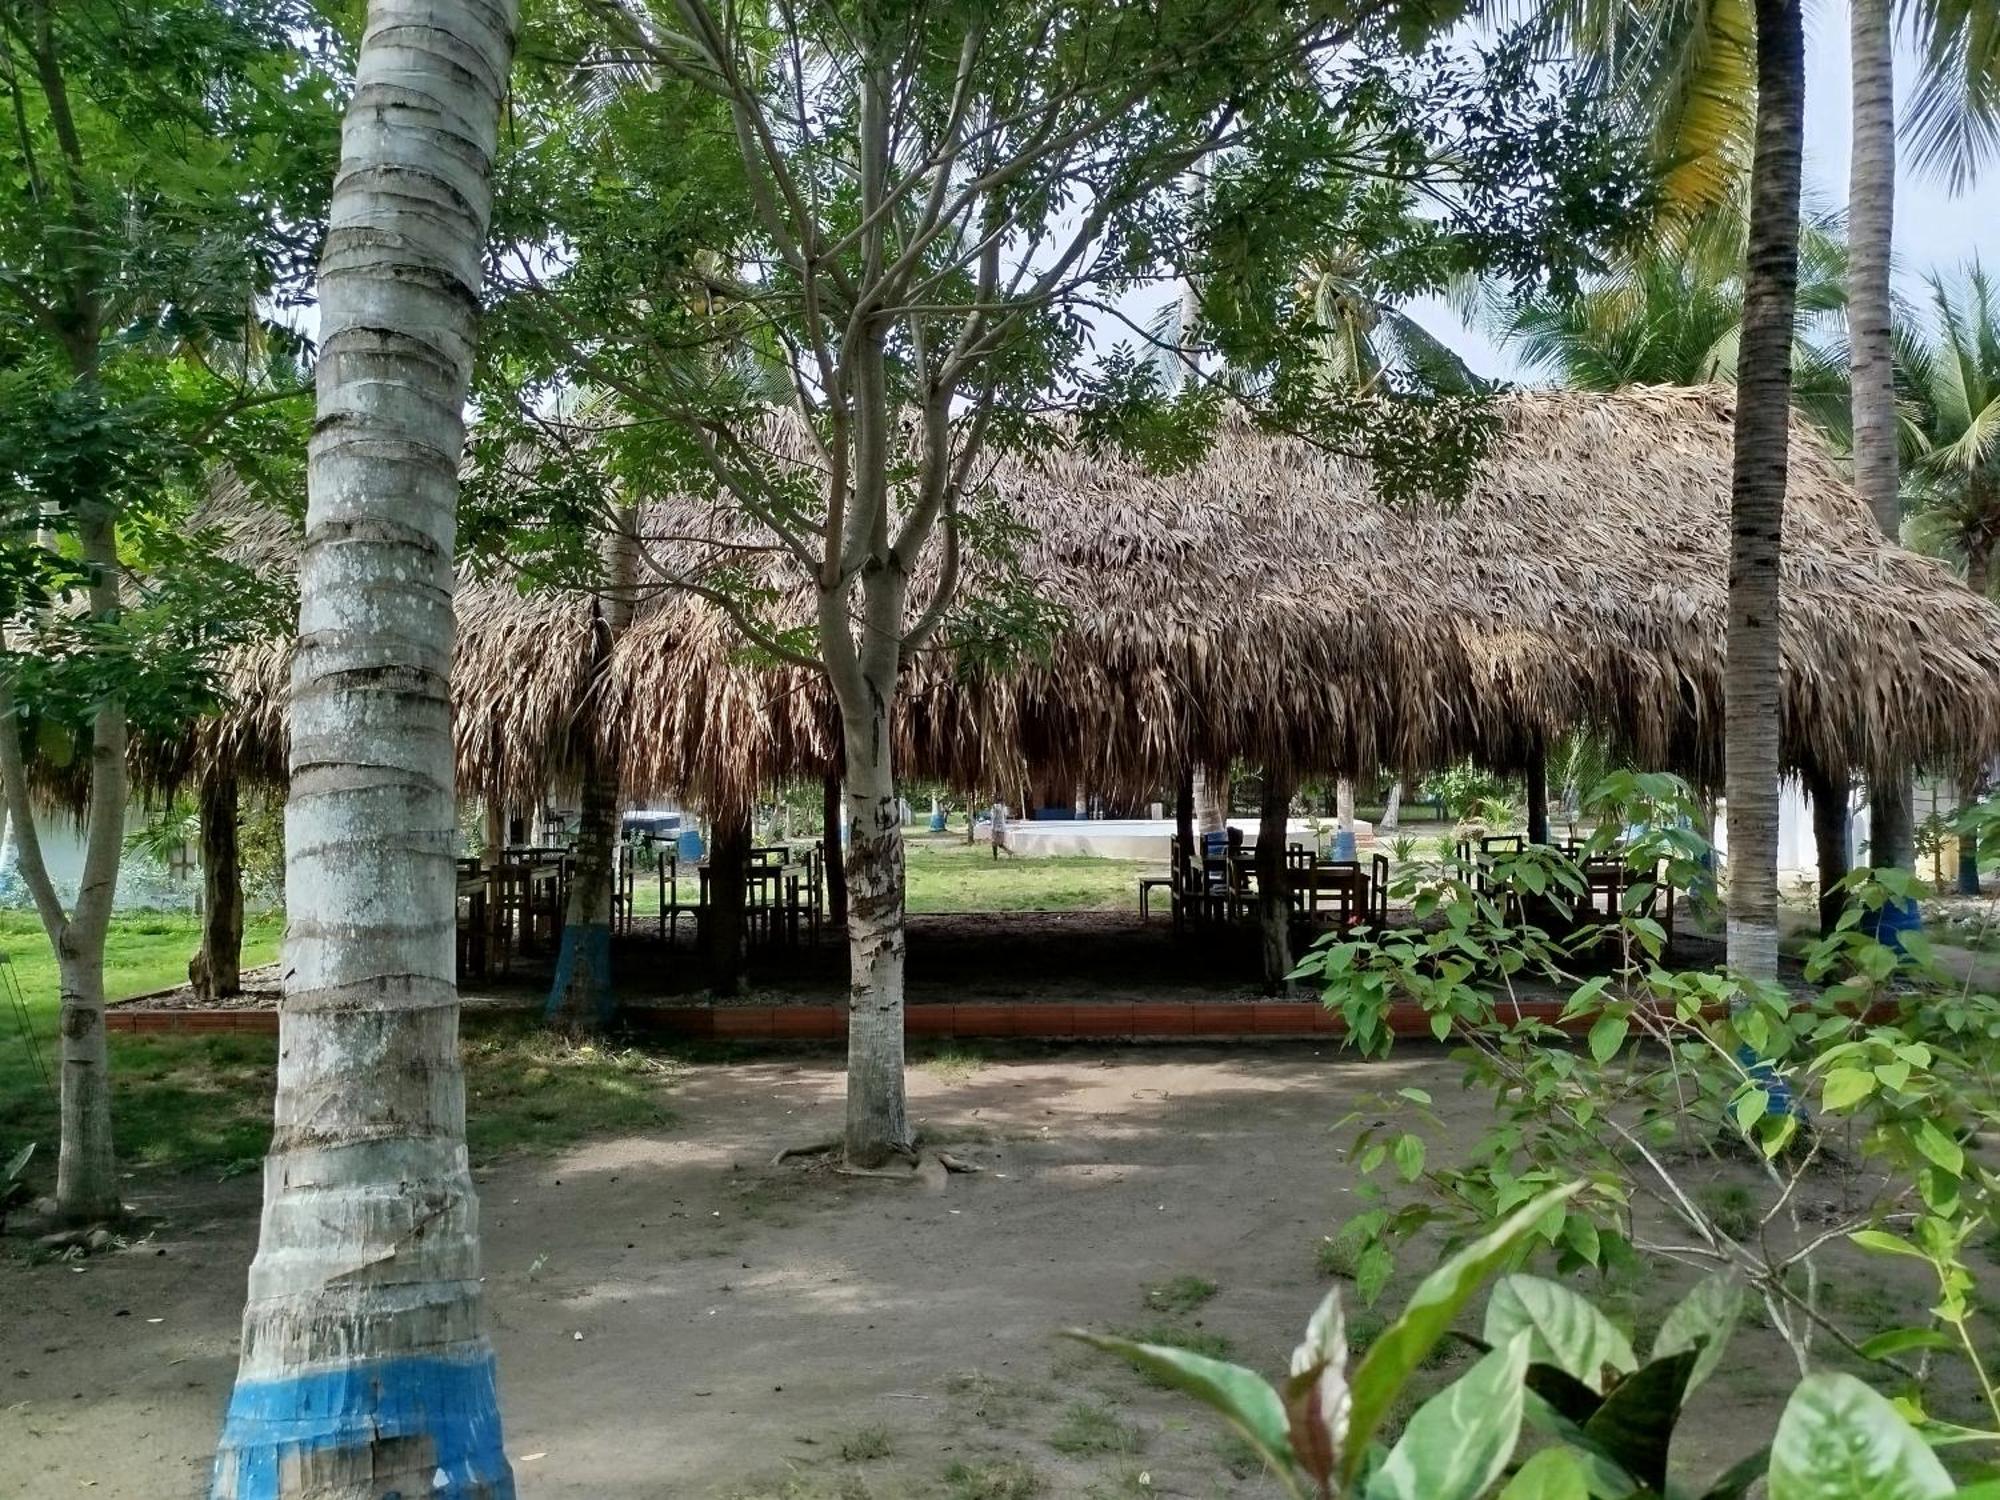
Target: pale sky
[1934,230]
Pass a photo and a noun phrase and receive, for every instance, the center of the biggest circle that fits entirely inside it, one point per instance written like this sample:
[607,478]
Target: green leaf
[1394,1356]
[1838,1440]
[1888,1244]
[1552,1474]
[1704,1319]
[1607,1035]
[1415,1096]
[1939,1147]
[1635,1425]
[1847,1086]
[1750,1107]
[1564,1329]
[1409,1153]
[1243,1397]
[1893,1341]
[1460,1440]
[1734,1482]
[1580,1234]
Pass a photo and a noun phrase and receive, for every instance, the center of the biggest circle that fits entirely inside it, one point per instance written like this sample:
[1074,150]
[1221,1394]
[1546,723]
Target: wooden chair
[671,904]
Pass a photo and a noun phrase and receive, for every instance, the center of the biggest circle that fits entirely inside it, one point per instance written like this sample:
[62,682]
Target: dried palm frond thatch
[1266,607]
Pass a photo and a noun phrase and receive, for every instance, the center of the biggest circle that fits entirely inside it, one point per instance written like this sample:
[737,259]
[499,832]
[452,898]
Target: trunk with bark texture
[1829,804]
[728,883]
[1392,811]
[365,1367]
[1211,802]
[1757,492]
[834,855]
[1871,198]
[1343,803]
[878,1125]
[1537,791]
[1274,905]
[216,970]
[580,996]
[86,1168]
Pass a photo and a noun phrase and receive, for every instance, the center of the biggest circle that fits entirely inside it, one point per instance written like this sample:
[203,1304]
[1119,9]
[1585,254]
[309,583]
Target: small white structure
[1133,838]
[1797,849]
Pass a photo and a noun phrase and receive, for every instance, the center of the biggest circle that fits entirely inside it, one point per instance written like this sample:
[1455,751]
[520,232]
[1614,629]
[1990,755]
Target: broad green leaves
[1393,1357]
[1243,1398]
[1703,1320]
[1552,1474]
[1839,1440]
[1564,1330]
[1460,1440]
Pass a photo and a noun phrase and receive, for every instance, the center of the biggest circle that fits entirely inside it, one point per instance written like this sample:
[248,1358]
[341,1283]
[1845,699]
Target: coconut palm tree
[1757,490]
[365,1368]
[1674,316]
[1952,422]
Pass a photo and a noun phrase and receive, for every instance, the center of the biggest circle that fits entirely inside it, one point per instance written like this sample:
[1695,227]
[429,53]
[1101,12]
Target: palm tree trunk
[1392,811]
[217,968]
[1211,802]
[1184,815]
[1757,492]
[580,996]
[1870,229]
[1274,902]
[365,1366]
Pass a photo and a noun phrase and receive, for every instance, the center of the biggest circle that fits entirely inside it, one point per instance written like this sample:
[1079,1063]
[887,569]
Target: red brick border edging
[1221,1020]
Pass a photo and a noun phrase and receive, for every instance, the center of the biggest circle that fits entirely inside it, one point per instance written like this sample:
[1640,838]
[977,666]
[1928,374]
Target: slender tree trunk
[878,1124]
[1392,812]
[580,996]
[728,884]
[1537,779]
[1829,802]
[1870,230]
[1343,803]
[365,1367]
[1757,492]
[1274,896]
[86,1167]
[216,971]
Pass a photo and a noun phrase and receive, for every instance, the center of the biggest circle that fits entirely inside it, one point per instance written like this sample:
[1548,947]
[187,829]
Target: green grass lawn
[946,874]
[204,1103]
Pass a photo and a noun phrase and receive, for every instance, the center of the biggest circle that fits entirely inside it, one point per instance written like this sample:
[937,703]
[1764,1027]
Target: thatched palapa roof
[1265,607]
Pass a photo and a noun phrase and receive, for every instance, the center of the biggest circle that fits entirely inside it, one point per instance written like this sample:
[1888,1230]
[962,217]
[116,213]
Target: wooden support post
[216,970]
[1538,796]
[1829,796]
[832,798]
[722,922]
[1274,897]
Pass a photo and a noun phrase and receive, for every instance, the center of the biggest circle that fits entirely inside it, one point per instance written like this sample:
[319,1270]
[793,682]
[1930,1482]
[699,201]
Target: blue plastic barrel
[937,820]
[1343,844]
[687,848]
[1888,924]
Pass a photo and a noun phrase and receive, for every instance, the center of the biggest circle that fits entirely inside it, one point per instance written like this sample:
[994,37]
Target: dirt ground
[677,1317]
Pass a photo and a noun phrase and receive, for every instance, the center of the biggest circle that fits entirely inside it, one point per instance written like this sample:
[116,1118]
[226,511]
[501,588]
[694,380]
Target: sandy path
[739,1321]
